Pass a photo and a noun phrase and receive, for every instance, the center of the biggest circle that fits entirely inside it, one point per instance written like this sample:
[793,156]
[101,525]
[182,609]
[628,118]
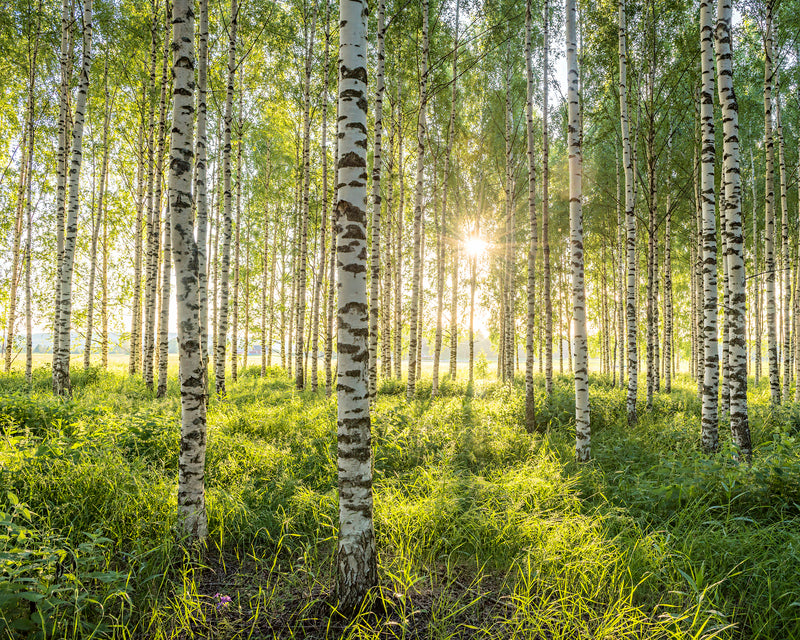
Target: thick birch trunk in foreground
[356,556]
[375,252]
[416,294]
[710,435]
[582,434]
[222,320]
[630,219]
[61,381]
[191,463]
[736,310]
[530,399]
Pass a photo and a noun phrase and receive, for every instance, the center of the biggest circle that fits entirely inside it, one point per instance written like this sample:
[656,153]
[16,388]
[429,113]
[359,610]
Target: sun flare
[475,245]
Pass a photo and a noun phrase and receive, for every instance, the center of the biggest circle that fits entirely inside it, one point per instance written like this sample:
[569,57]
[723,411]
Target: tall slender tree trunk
[786,270]
[29,203]
[332,270]
[246,345]
[630,218]
[769,215]
[191,481]
[166,260]
[756,279]
[356,557]
[154,222]
[530,398]
[98,222]
[323,242]
[61,380]
[163,322]
[222,326]
[448,221]
[582,438]
[472,283]
[398,265]
[547,286]
[267,336]
[237,249]
[375,249]
[416,294]
[710,436]
[201,186]
[299,374]
[620,285]
[736,310]
[699,255]
[17,257]
[668,329]
[62,162]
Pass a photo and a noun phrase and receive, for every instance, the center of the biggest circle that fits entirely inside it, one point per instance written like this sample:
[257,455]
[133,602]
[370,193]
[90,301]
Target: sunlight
[475,245]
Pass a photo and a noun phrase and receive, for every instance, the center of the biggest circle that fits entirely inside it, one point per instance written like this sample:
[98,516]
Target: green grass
[483,530]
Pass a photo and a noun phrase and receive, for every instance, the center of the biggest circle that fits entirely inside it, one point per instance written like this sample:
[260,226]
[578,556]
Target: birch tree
[630,217]
[416,294]
[61,380]
[375,249]
[582,435]
[548,303]
[222,320]
[734,255]
[710,437]
[356,556]
[191,463]
[530,399]
[97,221]
[769,212]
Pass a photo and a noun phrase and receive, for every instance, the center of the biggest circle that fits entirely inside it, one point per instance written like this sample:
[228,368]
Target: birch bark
[61,380]
[356,557]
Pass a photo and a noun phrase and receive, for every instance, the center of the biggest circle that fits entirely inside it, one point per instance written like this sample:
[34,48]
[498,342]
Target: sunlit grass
[483,529]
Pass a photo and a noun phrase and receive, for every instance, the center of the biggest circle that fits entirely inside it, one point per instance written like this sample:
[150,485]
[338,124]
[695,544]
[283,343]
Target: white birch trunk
[191,463]
[417,241]
[769,216]
[375,252]
[630,218]
[581,354]
[547,286]
[356,557]
[222,320]
[710,436]
[736,310]
[530,398]
[201,186]
[61,380]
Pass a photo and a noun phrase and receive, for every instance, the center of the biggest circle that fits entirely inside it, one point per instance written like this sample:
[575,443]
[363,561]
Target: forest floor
[483,530]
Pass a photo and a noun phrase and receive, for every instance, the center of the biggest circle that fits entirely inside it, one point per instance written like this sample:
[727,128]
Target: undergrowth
[483,529]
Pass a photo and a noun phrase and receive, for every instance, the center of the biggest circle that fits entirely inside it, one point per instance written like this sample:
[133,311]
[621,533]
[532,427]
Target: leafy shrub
[50,588]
